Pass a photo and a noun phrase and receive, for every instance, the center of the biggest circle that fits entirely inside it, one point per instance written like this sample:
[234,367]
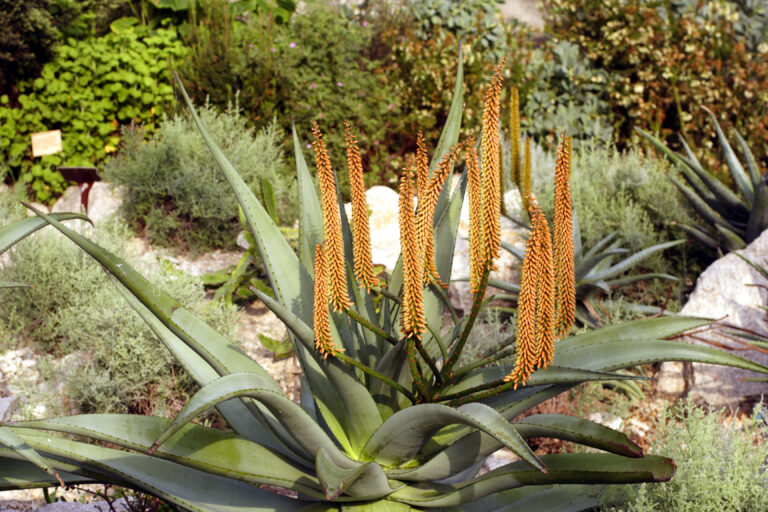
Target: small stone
[607,420]
[7,405]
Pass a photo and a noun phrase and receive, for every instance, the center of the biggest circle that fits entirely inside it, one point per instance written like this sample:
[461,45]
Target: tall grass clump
[173,190]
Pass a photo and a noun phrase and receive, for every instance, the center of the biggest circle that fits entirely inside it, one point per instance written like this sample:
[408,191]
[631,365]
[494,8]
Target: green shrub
[119,365]
[175,192]
[667,59]
[564,91]
[719,466]
[87,91]
[310,69]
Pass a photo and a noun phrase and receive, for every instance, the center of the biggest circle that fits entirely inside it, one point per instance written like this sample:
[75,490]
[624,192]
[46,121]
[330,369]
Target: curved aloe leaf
[700,235]
[578,430]
[628,263]
[758,220]
[698,204]
[361,481]
[20,229]
[749,157]
[560,498]
[294,419]
[19,474]
[186,487]
[599,246]
[310,214]
[203,448]
[733,240]
[737,171]
[12,441]
[623,281]
[566,468]
[401,437]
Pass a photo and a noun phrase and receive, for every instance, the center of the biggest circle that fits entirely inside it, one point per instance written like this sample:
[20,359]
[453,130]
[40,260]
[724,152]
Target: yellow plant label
[46,143]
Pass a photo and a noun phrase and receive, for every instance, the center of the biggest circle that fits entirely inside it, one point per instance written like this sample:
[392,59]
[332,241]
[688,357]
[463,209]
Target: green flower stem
[432,366]
[443,295]
[418,381]
[496,387]
[368,325]
[486,360]
[373,373]
[476,307]
[391,296]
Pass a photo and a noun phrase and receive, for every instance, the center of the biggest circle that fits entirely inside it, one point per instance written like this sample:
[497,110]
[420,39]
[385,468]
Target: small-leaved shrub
[116,363]
[174,191]
[88,90]
[719,466]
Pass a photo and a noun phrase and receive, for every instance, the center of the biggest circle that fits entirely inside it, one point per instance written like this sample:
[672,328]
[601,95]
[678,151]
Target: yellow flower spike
[334,245]
[514,133]
[412,318]
[491,165]
[321,322]
[428,198]
[545,291]
[361,234]
[422,163]
[477,249]
[528,352]
[526,177]
[565,292]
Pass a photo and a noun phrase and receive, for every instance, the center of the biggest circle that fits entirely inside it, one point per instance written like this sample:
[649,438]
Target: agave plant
[735,220]
[388,420]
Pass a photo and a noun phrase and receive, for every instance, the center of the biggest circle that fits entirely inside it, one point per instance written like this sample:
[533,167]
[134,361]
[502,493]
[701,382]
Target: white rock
[384,225]
[95,506]
[607,420]
[104,199]
[724,291]
[7,404]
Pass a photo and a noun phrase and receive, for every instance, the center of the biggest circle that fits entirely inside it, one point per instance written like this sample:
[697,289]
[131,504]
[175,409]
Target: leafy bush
[719,466]
[476,19]
[666,59]
[564,91]
[118,365]
[87,91]
[311,68]
[174,191]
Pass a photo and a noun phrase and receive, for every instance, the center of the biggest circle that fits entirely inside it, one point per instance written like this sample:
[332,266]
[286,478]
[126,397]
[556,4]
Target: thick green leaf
[749,158]
[310,213]
[361,481]
[758,220]
[623,281]
[700,235]
[186,487]
[13,442]
[628,263]
[733,240]
[586,267]
[577,468]
[203,448]
[737,171]
[20,229]
[294,419]
[580,431]
[17,474]
[401,437]
[612,355]
[560,498]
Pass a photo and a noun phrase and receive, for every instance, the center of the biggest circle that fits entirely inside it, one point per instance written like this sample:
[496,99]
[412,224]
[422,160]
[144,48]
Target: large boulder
[725,291]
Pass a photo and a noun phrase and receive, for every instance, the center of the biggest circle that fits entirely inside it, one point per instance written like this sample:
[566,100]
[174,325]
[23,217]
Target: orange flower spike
[323,341]
[422,164]
[477,249]
[428,198]
[491,165]
[525,187]
[565,293]
[334,246]
[514,133]
[528,353]
[361,235]
[545,291]
[412,318]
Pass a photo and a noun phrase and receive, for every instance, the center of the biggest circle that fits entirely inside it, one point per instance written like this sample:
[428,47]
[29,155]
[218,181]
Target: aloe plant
[387,419]
[734,219]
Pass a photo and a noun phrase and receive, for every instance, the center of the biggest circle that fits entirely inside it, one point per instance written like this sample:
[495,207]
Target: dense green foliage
[173,191]
[88,90]
[667,59]
[720,466]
